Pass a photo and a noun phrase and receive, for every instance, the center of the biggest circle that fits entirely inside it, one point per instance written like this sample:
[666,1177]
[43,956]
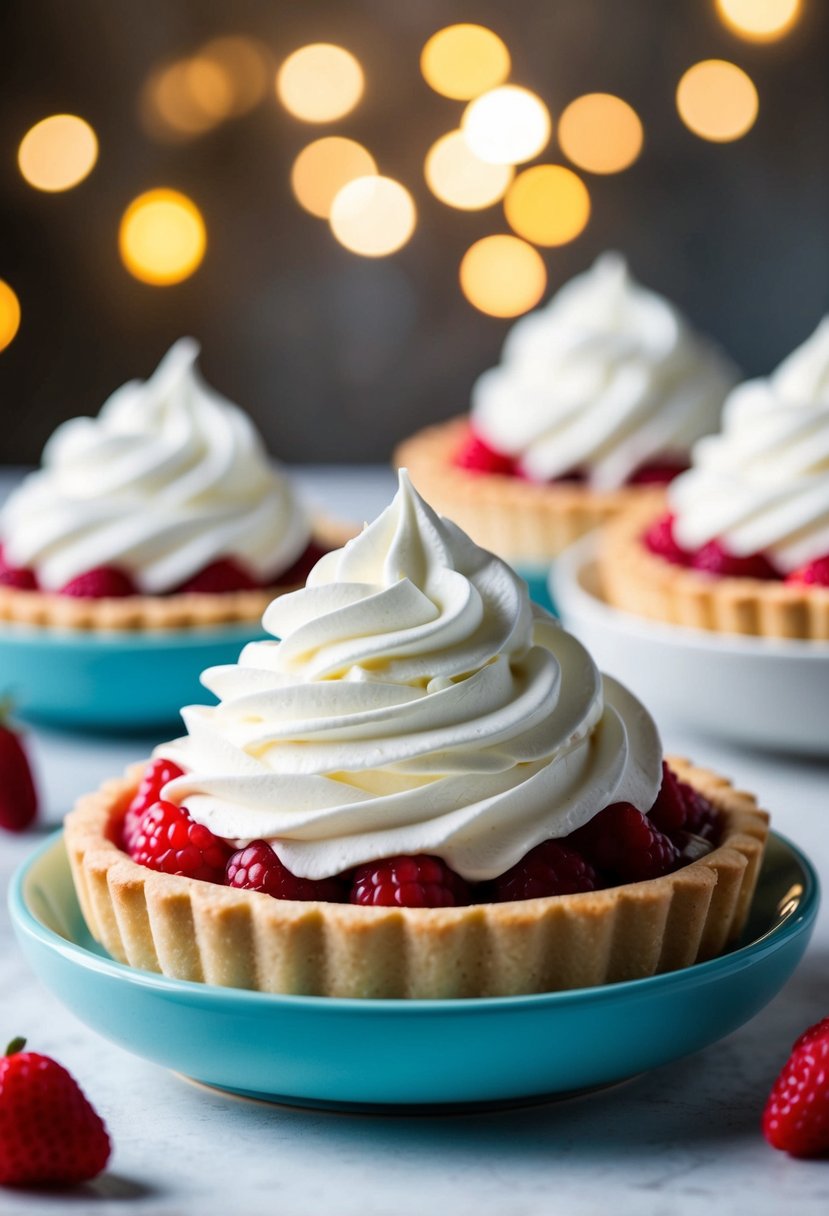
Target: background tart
[193,930]
[641,582]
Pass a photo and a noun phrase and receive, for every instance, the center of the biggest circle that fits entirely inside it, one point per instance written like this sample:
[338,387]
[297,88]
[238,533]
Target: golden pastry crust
[154,612]
[521,521]
[638,581]
[194,930]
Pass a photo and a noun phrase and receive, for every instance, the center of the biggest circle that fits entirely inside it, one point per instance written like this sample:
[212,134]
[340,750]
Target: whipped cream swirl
[416,703]
[604,379]
[168,478]
[762,485]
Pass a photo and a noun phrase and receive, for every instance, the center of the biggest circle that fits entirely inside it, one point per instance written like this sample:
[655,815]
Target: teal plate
[373,1053]
[538,583]
[113,681]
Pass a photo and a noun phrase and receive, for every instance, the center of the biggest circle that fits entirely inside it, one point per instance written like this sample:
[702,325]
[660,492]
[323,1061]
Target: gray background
[336,356]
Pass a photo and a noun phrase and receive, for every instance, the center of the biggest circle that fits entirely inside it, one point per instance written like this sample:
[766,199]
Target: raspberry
[715,559]
[156,775]
[49,1132]
[701,816]
[813,574]
[670,810]
[104,582]
[796,1117]
[18,577]
[225,574]
[302,567]
[622,842]
[479,457]
[660,539]
[551,868]
[257,868]
[659,473]
[408,882]
[167,839]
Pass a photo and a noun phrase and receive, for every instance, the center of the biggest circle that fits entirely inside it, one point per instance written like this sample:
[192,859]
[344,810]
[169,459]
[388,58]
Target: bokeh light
[601,133]
[324,167]
[246,66]
[503,276]
[9,315]
[373,216]
[759,20]
[463,61]
[717,100]
[507,125]
[319,83]
[460,179]
[548,205]
[186,98]
[162,237]
[57,153]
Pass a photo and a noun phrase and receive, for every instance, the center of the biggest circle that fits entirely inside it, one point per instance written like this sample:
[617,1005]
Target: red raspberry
[49,1132]
[701,816]
[156,775]
[18,795]
[225,574]
[670,810]
[257,868]
[20,577]
[102,583]
[551,868]
[659,473]
[302,567]
[660,539]
[796,1117]
[715,559]
[167,839]
[813,574]
[408,882]
[479,457]
[622,842]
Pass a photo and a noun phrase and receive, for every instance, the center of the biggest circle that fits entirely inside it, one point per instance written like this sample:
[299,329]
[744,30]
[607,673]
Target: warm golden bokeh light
[9,315]
[324,167]
[507,125]
[601,133]
[186,98]
[319,83]
[458,178]
[246,66]
[717,100]
[548,205]
[463,61]
[373,216]
[162,237]
[57,153]
[503,276]
[759,20]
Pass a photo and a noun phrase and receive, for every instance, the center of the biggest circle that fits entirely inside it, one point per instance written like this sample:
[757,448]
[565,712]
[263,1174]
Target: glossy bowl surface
[397,1053]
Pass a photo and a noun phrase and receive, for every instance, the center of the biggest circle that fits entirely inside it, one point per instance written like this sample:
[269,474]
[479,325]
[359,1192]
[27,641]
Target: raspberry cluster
[714,558]
[618,845]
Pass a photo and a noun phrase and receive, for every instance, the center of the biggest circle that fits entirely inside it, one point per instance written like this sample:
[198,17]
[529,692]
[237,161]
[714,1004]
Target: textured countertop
[683,1139]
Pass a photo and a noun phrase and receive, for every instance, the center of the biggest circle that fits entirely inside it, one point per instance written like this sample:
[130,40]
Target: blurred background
[348,202]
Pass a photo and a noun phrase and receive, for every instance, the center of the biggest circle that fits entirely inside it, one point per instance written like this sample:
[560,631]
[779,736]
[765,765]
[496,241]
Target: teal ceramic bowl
[111,681]
[324,1051]
[539,585]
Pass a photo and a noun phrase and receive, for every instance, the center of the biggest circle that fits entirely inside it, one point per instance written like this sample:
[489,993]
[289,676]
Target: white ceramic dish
[756,691]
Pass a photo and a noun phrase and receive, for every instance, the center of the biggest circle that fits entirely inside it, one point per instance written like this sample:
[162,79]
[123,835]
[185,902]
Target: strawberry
[796,1118]
[49,1132]
[478,457]
[18,796]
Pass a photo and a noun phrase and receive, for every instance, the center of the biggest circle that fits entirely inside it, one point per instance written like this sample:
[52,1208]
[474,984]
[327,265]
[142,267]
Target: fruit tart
[421,786]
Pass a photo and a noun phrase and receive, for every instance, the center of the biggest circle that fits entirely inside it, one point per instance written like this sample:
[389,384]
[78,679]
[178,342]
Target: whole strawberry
[49,1133]
[18,797]
[796,1118]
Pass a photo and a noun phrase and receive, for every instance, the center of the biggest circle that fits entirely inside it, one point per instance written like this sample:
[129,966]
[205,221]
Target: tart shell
[641,582]
[521,521]
[154,612]
[192,930]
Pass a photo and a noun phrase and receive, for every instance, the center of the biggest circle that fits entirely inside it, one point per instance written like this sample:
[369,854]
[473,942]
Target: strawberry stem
[16,1045]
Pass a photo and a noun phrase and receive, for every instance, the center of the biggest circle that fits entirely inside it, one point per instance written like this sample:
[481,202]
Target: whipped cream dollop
[606,378]
[168,478]
[415,702]
[762,484]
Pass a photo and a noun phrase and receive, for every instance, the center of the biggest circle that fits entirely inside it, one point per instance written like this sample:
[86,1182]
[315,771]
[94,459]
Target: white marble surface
[681,1140]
